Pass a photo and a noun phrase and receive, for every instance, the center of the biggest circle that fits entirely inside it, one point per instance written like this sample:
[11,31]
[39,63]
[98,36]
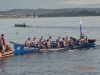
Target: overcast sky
[47,4]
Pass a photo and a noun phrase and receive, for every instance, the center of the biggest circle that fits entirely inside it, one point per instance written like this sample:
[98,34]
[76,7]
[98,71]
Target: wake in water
[59,27]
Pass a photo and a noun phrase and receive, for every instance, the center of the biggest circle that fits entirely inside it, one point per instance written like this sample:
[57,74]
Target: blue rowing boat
[20,49]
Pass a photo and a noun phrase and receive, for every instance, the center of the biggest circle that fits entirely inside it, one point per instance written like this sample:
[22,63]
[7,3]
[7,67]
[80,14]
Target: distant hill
[65,12]
[45,11]
[72,14]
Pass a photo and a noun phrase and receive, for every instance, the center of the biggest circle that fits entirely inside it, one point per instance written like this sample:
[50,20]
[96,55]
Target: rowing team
[58,43]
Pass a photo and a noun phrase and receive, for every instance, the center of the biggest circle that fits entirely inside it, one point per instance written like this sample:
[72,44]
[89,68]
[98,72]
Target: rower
[71,42]
[28,42]
[74,40]
[58,42]
[33,44]
[42,40]
[51,43]
[64,43]
[41,45]
[50,39]
[48,45]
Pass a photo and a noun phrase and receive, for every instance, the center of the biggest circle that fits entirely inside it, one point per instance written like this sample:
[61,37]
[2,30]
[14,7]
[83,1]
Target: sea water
[78,62]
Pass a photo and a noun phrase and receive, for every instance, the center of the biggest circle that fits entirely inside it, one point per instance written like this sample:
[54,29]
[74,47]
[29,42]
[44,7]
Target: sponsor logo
[18,48]
[29,48]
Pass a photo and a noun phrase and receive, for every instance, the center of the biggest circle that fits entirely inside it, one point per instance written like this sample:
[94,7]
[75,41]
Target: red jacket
[4,41]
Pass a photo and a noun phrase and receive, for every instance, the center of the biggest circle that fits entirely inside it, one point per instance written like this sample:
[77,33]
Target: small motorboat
[20,25]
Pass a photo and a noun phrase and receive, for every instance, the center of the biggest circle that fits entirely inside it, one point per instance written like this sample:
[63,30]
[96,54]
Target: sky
[47,4]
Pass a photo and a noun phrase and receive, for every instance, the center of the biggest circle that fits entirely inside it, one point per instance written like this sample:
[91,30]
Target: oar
[11,42]
[16,43]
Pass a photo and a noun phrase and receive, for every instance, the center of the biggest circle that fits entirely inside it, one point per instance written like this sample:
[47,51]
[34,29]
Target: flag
[81,28]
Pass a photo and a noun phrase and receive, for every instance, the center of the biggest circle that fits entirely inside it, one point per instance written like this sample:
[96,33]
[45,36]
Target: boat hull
[23,49]
[20,25]
[88,45]
[20,49]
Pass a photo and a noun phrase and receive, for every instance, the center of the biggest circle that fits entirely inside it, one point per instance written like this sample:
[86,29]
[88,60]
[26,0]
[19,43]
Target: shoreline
[50,17]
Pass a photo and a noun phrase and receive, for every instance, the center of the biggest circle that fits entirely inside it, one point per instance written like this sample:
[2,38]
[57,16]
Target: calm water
[53,63]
